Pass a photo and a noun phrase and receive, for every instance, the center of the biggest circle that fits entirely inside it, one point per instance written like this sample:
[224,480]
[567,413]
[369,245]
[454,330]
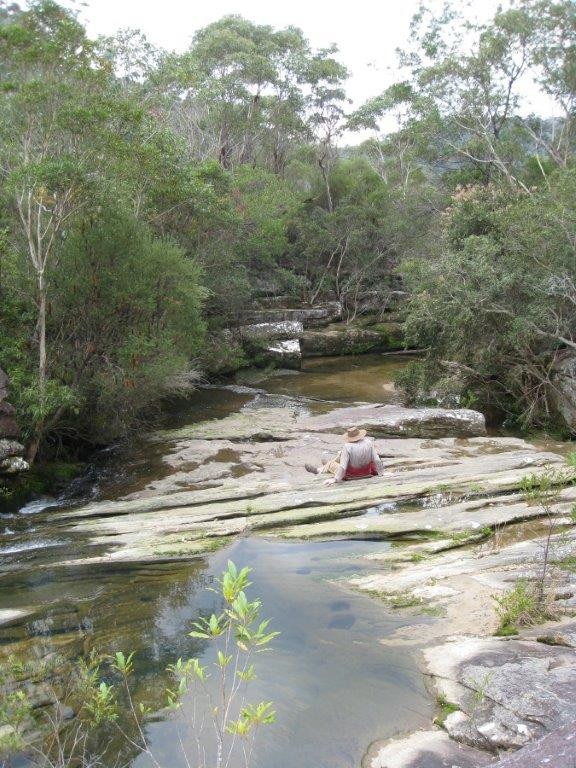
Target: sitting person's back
[357,459]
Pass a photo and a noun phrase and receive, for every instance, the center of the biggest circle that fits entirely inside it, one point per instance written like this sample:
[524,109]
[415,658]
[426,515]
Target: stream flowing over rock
[455,529]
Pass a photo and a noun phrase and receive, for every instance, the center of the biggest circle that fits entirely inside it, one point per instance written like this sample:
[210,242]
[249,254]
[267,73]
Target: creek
[336,687]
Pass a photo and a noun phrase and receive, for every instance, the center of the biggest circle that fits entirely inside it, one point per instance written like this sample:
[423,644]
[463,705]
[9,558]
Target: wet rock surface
[455,528]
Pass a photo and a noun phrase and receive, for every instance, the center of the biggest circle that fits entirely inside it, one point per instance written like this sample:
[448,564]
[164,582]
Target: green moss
[404,601]
[506,630]
[446,708]
[214,543]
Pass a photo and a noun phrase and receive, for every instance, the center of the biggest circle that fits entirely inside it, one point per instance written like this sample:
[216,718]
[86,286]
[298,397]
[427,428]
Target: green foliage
[405,601]
[220,169]
[237,633]
[518,607]
[100,689]
[487,299]
[446,708]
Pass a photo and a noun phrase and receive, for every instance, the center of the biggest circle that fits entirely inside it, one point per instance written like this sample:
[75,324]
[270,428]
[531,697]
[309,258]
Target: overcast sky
[367,32]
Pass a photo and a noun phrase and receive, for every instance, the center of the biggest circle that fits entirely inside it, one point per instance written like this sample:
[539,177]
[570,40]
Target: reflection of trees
[146,609]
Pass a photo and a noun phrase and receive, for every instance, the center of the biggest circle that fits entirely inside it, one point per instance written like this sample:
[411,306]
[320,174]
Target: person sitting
[357,459]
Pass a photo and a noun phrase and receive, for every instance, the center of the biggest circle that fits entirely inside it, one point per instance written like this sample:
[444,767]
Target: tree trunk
[327,185]
[41,334]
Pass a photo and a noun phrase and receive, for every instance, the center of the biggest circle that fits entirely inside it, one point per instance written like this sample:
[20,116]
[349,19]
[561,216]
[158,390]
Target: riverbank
[431,541]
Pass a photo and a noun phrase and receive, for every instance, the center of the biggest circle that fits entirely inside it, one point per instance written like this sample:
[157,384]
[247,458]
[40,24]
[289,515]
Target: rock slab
[395,421]
[556,750]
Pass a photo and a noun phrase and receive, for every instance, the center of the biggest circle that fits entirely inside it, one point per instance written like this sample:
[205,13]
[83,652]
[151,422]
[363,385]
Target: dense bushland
[149,197]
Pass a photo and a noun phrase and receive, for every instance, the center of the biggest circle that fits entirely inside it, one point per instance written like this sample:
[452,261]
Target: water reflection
[335,687]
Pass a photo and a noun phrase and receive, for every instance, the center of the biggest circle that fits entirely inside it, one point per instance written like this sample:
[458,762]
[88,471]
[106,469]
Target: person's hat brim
[360,436]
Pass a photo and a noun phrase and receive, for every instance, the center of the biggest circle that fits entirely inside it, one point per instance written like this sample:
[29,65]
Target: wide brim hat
[354,434]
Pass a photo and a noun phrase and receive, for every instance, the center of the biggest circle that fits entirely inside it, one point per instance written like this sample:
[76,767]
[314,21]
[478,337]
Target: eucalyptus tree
[468,82]
[553,56]
[245,94]
[235,77]
[326,115]
[73,139]
[54,111]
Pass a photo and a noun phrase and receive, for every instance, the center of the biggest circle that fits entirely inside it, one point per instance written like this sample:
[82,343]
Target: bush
[520,607]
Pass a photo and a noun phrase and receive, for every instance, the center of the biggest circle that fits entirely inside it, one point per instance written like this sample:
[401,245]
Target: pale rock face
[287,352]
[564,392]
[13,465]
[395,421]
[342,339]
[433,592]
[308,316]
[10,448]
[8,424]
[285,329]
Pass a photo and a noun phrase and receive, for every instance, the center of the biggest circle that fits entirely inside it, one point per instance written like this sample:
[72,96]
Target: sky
[367,32]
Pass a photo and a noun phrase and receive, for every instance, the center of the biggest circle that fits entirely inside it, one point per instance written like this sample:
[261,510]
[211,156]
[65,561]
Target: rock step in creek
[285,335]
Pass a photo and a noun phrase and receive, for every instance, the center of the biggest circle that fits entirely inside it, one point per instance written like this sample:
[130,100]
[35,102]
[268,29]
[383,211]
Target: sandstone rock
[563,393]
[341,339]
[308,316]
[509,692]
[66,713]
[555,750]
[13,465]
[393,420]
[10,448]
[283,329]
[11,461]
[433,592]
[425,749]
[286,352]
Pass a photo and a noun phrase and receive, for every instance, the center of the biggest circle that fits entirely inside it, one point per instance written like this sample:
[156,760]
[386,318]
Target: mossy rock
[342,339]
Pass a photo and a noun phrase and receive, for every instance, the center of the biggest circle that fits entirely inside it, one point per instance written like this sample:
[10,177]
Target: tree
[237,81]
[73,138]
[326,114]
[473,101]
[496,298]
[60,119]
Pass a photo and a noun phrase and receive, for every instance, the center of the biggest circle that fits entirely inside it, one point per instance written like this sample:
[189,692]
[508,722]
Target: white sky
[367,32]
